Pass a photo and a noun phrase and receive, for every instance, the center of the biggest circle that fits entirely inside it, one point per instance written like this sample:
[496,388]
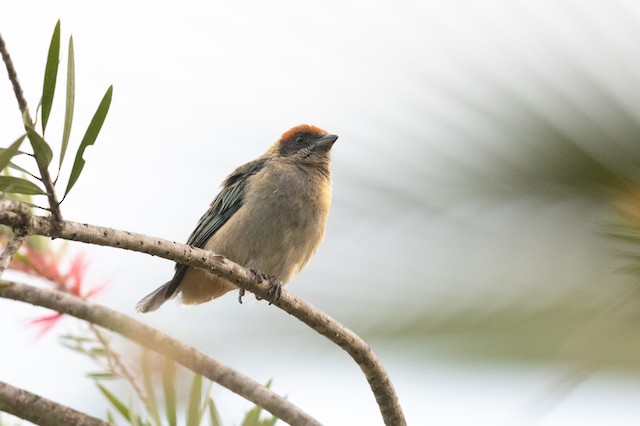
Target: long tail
[157,297]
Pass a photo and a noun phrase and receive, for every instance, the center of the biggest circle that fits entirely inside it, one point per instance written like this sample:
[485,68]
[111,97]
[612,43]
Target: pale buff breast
[276,231]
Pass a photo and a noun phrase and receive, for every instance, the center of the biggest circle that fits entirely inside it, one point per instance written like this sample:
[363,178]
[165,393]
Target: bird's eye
[299,139]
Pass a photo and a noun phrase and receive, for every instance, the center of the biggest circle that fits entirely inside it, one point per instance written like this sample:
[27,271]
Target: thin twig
[378,379]
[117,365]
[12,248]
[159,342]
[56,215]
[42,411]
[22,103]
[14,244]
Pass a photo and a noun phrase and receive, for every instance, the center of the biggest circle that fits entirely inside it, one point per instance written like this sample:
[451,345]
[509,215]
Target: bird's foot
[240,295]
[275,289]
[275,286]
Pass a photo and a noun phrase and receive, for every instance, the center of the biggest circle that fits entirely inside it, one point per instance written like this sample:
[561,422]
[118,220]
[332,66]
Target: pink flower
[45,322]
[37,258]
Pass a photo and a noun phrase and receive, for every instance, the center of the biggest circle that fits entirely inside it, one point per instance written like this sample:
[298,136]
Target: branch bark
[12,247]
[159,342]
[12,214]
[42,411]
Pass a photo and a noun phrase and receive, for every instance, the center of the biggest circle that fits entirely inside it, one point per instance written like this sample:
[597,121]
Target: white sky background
[202,87]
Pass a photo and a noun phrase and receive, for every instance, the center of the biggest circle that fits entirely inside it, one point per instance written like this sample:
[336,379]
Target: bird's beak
[326,142]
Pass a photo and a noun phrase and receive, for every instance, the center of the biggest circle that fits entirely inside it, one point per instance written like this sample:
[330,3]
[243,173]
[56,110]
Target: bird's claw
[275,287]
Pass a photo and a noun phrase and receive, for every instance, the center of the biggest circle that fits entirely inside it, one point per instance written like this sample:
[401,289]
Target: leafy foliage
[42,152]
[90,137]
[70,102]
[8,153]
[159,386]
[50,76]
[19,186]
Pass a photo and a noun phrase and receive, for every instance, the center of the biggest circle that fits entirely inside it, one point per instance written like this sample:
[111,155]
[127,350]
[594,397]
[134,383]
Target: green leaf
[102,376]
[69,336]
[16,185]
[41,149]
[169,386]
[90,137]
[117,404]
[97,352]
[252,416]
[71,95]
[7,154]
[214,417]
[17,153]
[270,422]
[147,378]
[14,166]
[193,409]
[50,75]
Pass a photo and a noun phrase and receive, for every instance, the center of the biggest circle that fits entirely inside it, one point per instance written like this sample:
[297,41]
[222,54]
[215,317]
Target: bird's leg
[240,295]
[275,287]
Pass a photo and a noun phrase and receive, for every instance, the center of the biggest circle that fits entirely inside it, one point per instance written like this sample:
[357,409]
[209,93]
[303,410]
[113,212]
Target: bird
[270,216]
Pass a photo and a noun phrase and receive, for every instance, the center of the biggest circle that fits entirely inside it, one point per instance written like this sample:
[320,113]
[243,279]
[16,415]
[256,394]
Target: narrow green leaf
[117,404]
[41,149]
[147,378]
[214,417]
[72,347]
[50,75]
[16,185]
[69,336]
[7,154]
[14,166]
[135,420]
[90,137]
[169,387]
[142,422]
[71,96]
[270,422]
[193,408]
[98,351]
[17,153]
[252,416]
[102,376]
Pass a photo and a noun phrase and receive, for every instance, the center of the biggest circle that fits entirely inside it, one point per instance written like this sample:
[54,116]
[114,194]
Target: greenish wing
[228,201]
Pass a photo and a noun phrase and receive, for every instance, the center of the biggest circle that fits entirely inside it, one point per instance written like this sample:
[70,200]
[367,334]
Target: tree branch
[54,205]
[14,244]
[379,382]
[42,411]
[159,342]
[13,76]
[12,247]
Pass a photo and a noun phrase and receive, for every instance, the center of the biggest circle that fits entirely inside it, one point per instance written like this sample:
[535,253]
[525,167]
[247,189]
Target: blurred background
[486,150]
